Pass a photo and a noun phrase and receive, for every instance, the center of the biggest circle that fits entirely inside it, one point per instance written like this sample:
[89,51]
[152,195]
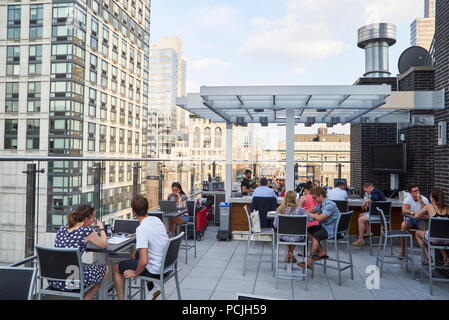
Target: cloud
[293,40]
[219,16]
[300,70]
[312,30]
[207,63]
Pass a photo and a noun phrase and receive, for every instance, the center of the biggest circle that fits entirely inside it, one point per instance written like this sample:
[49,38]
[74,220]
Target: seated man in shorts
[151,241]
[375,194]
[327,214]
[414,202]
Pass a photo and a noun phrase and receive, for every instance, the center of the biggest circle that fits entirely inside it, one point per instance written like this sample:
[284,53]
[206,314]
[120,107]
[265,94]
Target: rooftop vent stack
[376,39]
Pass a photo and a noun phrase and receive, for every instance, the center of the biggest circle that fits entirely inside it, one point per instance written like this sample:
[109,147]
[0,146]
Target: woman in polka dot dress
[76,234]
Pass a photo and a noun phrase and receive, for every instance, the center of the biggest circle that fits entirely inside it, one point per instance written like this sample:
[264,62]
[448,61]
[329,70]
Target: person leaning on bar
[246,186]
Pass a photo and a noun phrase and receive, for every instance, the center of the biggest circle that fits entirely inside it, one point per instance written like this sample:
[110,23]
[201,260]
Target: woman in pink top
[306,200]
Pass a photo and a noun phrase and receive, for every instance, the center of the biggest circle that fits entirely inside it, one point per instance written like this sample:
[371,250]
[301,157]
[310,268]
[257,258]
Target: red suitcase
[201,221]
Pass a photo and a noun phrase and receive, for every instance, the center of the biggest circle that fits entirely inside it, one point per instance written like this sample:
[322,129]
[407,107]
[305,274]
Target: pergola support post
[228,186]
[290,150]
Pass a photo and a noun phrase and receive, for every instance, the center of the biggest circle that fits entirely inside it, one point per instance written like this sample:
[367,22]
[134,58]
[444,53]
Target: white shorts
[434,241]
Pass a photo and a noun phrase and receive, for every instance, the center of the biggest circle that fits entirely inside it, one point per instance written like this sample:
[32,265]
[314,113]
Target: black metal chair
[289,225]
[341,237]
[342,205]
[374,218]
[17,283]
[191,207]
[169,261]
[385,235]
[263,205]
[252,234]
[61,264]
[438,230]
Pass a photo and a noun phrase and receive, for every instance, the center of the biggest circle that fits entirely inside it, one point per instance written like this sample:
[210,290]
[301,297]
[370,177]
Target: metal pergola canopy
[330,104]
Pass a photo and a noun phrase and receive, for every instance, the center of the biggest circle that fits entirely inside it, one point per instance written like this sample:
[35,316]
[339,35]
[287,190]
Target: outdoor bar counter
[240,222]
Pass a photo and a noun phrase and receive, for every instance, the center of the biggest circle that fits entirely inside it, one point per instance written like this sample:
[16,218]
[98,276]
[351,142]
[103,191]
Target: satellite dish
[414,57]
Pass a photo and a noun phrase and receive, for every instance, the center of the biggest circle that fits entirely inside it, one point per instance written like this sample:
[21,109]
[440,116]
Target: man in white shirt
[338,193]
[413,203]
[151,241]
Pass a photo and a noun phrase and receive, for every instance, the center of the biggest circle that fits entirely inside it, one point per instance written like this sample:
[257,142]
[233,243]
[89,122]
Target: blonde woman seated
[435,208]
[289,207]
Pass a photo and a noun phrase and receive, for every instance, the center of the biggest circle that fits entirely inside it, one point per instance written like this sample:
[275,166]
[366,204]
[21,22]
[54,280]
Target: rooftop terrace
[216,274]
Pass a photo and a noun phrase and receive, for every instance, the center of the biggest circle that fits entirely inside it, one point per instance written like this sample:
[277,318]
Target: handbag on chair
[255,221]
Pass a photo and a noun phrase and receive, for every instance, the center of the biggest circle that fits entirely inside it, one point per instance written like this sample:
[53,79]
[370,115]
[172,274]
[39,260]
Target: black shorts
[318,232]
[131,264]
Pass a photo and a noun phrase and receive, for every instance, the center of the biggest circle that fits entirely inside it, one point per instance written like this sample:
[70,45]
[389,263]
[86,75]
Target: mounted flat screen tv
[390,158]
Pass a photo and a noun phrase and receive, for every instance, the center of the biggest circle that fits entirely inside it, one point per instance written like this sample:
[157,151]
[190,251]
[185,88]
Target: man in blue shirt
[374,195]
[263,190]
[327,213]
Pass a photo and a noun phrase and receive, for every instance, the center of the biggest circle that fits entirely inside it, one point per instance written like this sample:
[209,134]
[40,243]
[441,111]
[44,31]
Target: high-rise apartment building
[429,8]
[73,82]
[167,122]
[423,29]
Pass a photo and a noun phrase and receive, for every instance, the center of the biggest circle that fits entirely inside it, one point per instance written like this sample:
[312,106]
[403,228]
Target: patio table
[106,257]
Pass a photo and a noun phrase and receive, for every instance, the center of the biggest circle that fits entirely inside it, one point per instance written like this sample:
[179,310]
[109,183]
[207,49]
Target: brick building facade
[441,153]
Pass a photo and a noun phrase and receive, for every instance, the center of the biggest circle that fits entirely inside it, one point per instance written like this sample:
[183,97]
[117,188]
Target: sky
[282,42]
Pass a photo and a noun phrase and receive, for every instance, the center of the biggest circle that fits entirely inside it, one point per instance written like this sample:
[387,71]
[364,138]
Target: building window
[33,129]
[218,138]
[93,68]
[207,138]
[36,20]
[94,34]
[12,60]
[35,60]
[91,136]
[11,133]
[92,102]
[14,13]
[12,97]
[34,90]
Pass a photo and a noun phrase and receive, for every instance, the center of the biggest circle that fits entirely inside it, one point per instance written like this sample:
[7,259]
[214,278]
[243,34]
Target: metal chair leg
[246,254]
[178,290]
[370,239]
[413,259]
[277,265]
[186,227]
[338,261]
[350,257]
[272,252]
[162,290]
[325,260]
[430,269]
[383,255]
[378,249]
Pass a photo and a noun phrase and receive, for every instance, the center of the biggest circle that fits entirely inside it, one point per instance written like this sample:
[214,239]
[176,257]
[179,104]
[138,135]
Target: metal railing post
[97,187]
[30,211]
[136,167]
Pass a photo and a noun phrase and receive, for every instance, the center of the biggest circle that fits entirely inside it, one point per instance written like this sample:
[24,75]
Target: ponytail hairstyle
[289,202]
[438,197]
[79,215]
[178,185]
